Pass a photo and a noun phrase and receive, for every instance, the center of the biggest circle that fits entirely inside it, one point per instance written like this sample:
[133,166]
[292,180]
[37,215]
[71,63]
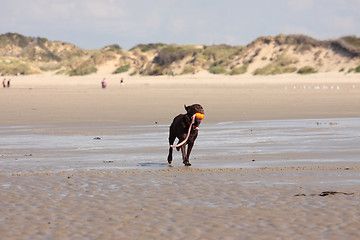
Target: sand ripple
[264,203]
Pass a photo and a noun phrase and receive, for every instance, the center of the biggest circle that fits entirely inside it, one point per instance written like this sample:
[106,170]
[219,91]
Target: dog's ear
[186,108]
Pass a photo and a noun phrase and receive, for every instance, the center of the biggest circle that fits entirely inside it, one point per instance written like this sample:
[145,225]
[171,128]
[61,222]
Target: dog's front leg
[190,146]
[184,155]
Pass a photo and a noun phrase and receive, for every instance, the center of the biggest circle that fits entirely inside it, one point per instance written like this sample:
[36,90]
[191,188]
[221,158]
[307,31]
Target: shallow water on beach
[245,144]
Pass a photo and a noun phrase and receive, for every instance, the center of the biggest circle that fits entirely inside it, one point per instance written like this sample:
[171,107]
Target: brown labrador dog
[179,129]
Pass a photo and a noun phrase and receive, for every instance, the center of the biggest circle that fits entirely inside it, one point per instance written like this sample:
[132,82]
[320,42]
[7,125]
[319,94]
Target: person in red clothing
[103,83]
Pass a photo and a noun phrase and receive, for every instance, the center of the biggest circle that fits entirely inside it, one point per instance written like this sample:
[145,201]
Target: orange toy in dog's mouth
[199,116]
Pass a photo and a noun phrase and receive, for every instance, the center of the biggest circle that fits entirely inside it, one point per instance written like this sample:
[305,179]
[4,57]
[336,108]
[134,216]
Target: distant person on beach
[8,83]
[122,82]
[103,83]
[4,82]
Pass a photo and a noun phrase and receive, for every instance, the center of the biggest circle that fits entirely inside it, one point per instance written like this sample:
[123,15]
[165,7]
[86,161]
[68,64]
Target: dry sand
[48,99]
[181,203]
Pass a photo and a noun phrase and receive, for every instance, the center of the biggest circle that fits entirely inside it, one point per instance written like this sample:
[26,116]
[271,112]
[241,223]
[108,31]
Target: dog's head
[194,109]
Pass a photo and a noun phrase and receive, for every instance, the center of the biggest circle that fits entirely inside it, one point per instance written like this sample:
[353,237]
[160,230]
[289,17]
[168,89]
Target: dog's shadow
[150,164]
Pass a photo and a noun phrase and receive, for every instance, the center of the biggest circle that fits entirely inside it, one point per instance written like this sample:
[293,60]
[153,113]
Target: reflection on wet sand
[248,144]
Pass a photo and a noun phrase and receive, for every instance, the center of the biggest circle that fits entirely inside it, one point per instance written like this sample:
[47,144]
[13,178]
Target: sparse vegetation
[121,69]
[157,71]
[42,40]
[188,70]
[83,69]
[15,39]
[49,66]
[36,54]
[217,70]
[349,45]
[148,47]
[170,54]
[101,57]
[239,70]
[352,40]
[303,48]
[113,47]
[306,70]
[278,66]
[220,52]
[17,67]
[274,71]
[218,58]
[355,70]
[40,54]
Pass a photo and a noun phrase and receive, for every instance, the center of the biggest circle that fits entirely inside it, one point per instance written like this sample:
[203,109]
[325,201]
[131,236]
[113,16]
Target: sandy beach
[48,98]
[277,158]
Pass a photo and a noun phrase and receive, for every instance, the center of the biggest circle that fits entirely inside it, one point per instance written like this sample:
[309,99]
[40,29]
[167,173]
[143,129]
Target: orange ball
[199,116]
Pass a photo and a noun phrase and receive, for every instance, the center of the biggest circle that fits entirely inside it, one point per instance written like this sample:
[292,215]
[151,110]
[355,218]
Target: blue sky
[93,24]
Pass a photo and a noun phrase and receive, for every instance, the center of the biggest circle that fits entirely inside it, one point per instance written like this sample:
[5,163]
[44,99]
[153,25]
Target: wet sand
[295,188]
[183,204]
[243,144]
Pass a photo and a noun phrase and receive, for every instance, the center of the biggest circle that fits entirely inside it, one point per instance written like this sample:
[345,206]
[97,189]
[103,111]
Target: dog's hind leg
[171,142]
[170,155]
